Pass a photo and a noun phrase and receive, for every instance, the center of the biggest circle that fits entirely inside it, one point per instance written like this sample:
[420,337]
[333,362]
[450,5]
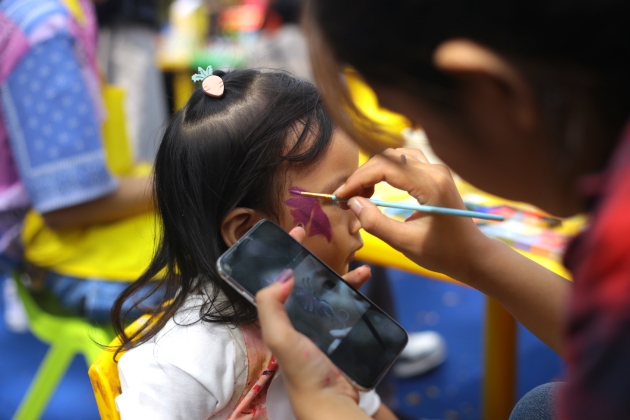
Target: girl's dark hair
[218,154]
[573,48]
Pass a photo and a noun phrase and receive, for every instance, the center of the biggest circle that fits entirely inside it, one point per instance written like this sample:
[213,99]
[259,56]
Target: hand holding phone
[356,335]
[308,374]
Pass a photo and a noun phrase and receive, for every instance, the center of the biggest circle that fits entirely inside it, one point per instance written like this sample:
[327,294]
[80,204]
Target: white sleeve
[187,372]
[369,402]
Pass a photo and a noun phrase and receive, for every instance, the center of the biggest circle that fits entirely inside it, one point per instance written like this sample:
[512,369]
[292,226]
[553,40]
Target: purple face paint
[308,209]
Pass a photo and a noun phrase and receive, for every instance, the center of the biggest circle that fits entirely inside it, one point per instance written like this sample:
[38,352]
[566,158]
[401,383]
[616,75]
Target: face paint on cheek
[308,209]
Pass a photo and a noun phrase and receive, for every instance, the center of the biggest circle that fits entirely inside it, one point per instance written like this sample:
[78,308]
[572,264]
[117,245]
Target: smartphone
[357,336]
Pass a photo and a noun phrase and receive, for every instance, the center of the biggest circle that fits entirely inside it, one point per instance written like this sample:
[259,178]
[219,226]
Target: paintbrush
[414,207]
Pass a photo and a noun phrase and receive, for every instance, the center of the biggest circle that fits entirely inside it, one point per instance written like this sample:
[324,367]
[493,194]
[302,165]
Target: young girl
[230,158]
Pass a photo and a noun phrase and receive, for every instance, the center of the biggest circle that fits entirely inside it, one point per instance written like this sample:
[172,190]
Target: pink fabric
[86,35]
[13,45]
[8,172]
[261,366]
[48,29]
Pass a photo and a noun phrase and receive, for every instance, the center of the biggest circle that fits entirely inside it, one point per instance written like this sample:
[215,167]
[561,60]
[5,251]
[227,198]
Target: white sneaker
[424,351]
[14,314]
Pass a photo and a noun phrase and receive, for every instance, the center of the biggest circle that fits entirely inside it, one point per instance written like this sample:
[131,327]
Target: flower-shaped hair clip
[212,85]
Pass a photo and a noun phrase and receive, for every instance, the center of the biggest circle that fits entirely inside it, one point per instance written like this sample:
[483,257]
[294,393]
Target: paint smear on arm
[309,212]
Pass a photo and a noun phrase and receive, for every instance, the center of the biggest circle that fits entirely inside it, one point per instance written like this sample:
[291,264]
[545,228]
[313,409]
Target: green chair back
[67,336]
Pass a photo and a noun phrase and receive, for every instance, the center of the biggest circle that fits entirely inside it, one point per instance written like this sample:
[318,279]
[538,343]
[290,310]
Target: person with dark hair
[234,155]
[523,101]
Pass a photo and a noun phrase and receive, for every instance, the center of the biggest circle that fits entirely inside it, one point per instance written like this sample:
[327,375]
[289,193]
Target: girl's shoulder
[187,339]
[208,359]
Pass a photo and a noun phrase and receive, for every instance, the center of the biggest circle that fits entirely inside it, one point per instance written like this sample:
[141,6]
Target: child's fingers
[358,276]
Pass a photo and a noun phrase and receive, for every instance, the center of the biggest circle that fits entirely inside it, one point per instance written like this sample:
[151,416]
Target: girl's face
[331,233]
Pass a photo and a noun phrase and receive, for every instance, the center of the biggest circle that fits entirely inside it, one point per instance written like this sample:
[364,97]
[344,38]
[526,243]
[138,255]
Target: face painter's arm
[316,387]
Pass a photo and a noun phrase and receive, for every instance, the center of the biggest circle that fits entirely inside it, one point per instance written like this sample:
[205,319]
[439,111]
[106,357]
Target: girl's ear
[237,223]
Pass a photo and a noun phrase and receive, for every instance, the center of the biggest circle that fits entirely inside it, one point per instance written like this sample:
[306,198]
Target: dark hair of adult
[571,52]
[218,154]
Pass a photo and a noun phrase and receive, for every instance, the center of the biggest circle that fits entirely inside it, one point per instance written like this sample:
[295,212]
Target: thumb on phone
[308,373]
[274,321]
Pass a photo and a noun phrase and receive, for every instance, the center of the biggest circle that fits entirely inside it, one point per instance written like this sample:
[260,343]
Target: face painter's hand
[316,387]
[446,244]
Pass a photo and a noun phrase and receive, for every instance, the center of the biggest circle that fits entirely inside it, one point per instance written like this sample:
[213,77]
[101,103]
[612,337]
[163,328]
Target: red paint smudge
[308,209]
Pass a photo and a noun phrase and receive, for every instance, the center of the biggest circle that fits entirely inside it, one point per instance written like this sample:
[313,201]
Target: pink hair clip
[212,85]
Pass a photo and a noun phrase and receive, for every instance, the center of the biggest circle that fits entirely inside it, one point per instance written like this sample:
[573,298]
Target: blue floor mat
[452,391]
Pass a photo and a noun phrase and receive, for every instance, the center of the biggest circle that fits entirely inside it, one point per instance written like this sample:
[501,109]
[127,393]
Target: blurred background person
[79,225]
[281,43]
[128,32]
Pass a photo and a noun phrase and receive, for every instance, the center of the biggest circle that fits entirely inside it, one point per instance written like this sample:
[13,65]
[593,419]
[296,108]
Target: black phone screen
[357,336]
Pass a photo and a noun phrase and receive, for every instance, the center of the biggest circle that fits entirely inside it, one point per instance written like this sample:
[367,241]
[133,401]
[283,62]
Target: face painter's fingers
[393,232]
[298,233]
[428,183]
[409,152]
[358,276]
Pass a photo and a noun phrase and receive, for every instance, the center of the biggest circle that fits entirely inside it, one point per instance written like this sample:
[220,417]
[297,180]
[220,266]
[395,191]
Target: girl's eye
[332,203]
[329,284]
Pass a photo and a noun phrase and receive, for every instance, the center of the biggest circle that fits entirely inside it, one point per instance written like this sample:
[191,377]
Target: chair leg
[50,372]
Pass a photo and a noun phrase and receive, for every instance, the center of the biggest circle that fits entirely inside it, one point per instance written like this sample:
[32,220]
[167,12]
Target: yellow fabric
[115,138]
[120,250]
[366,101]
[113,251]
[104,374]
[75,8]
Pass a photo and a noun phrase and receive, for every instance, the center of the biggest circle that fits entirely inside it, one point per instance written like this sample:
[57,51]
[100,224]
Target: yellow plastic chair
[67,337]
[104,375]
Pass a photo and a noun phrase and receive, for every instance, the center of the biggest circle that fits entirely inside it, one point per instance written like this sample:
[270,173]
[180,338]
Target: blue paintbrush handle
[432,209]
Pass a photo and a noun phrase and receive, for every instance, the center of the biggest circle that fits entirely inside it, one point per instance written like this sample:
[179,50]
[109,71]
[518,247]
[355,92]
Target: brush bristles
[310,194]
